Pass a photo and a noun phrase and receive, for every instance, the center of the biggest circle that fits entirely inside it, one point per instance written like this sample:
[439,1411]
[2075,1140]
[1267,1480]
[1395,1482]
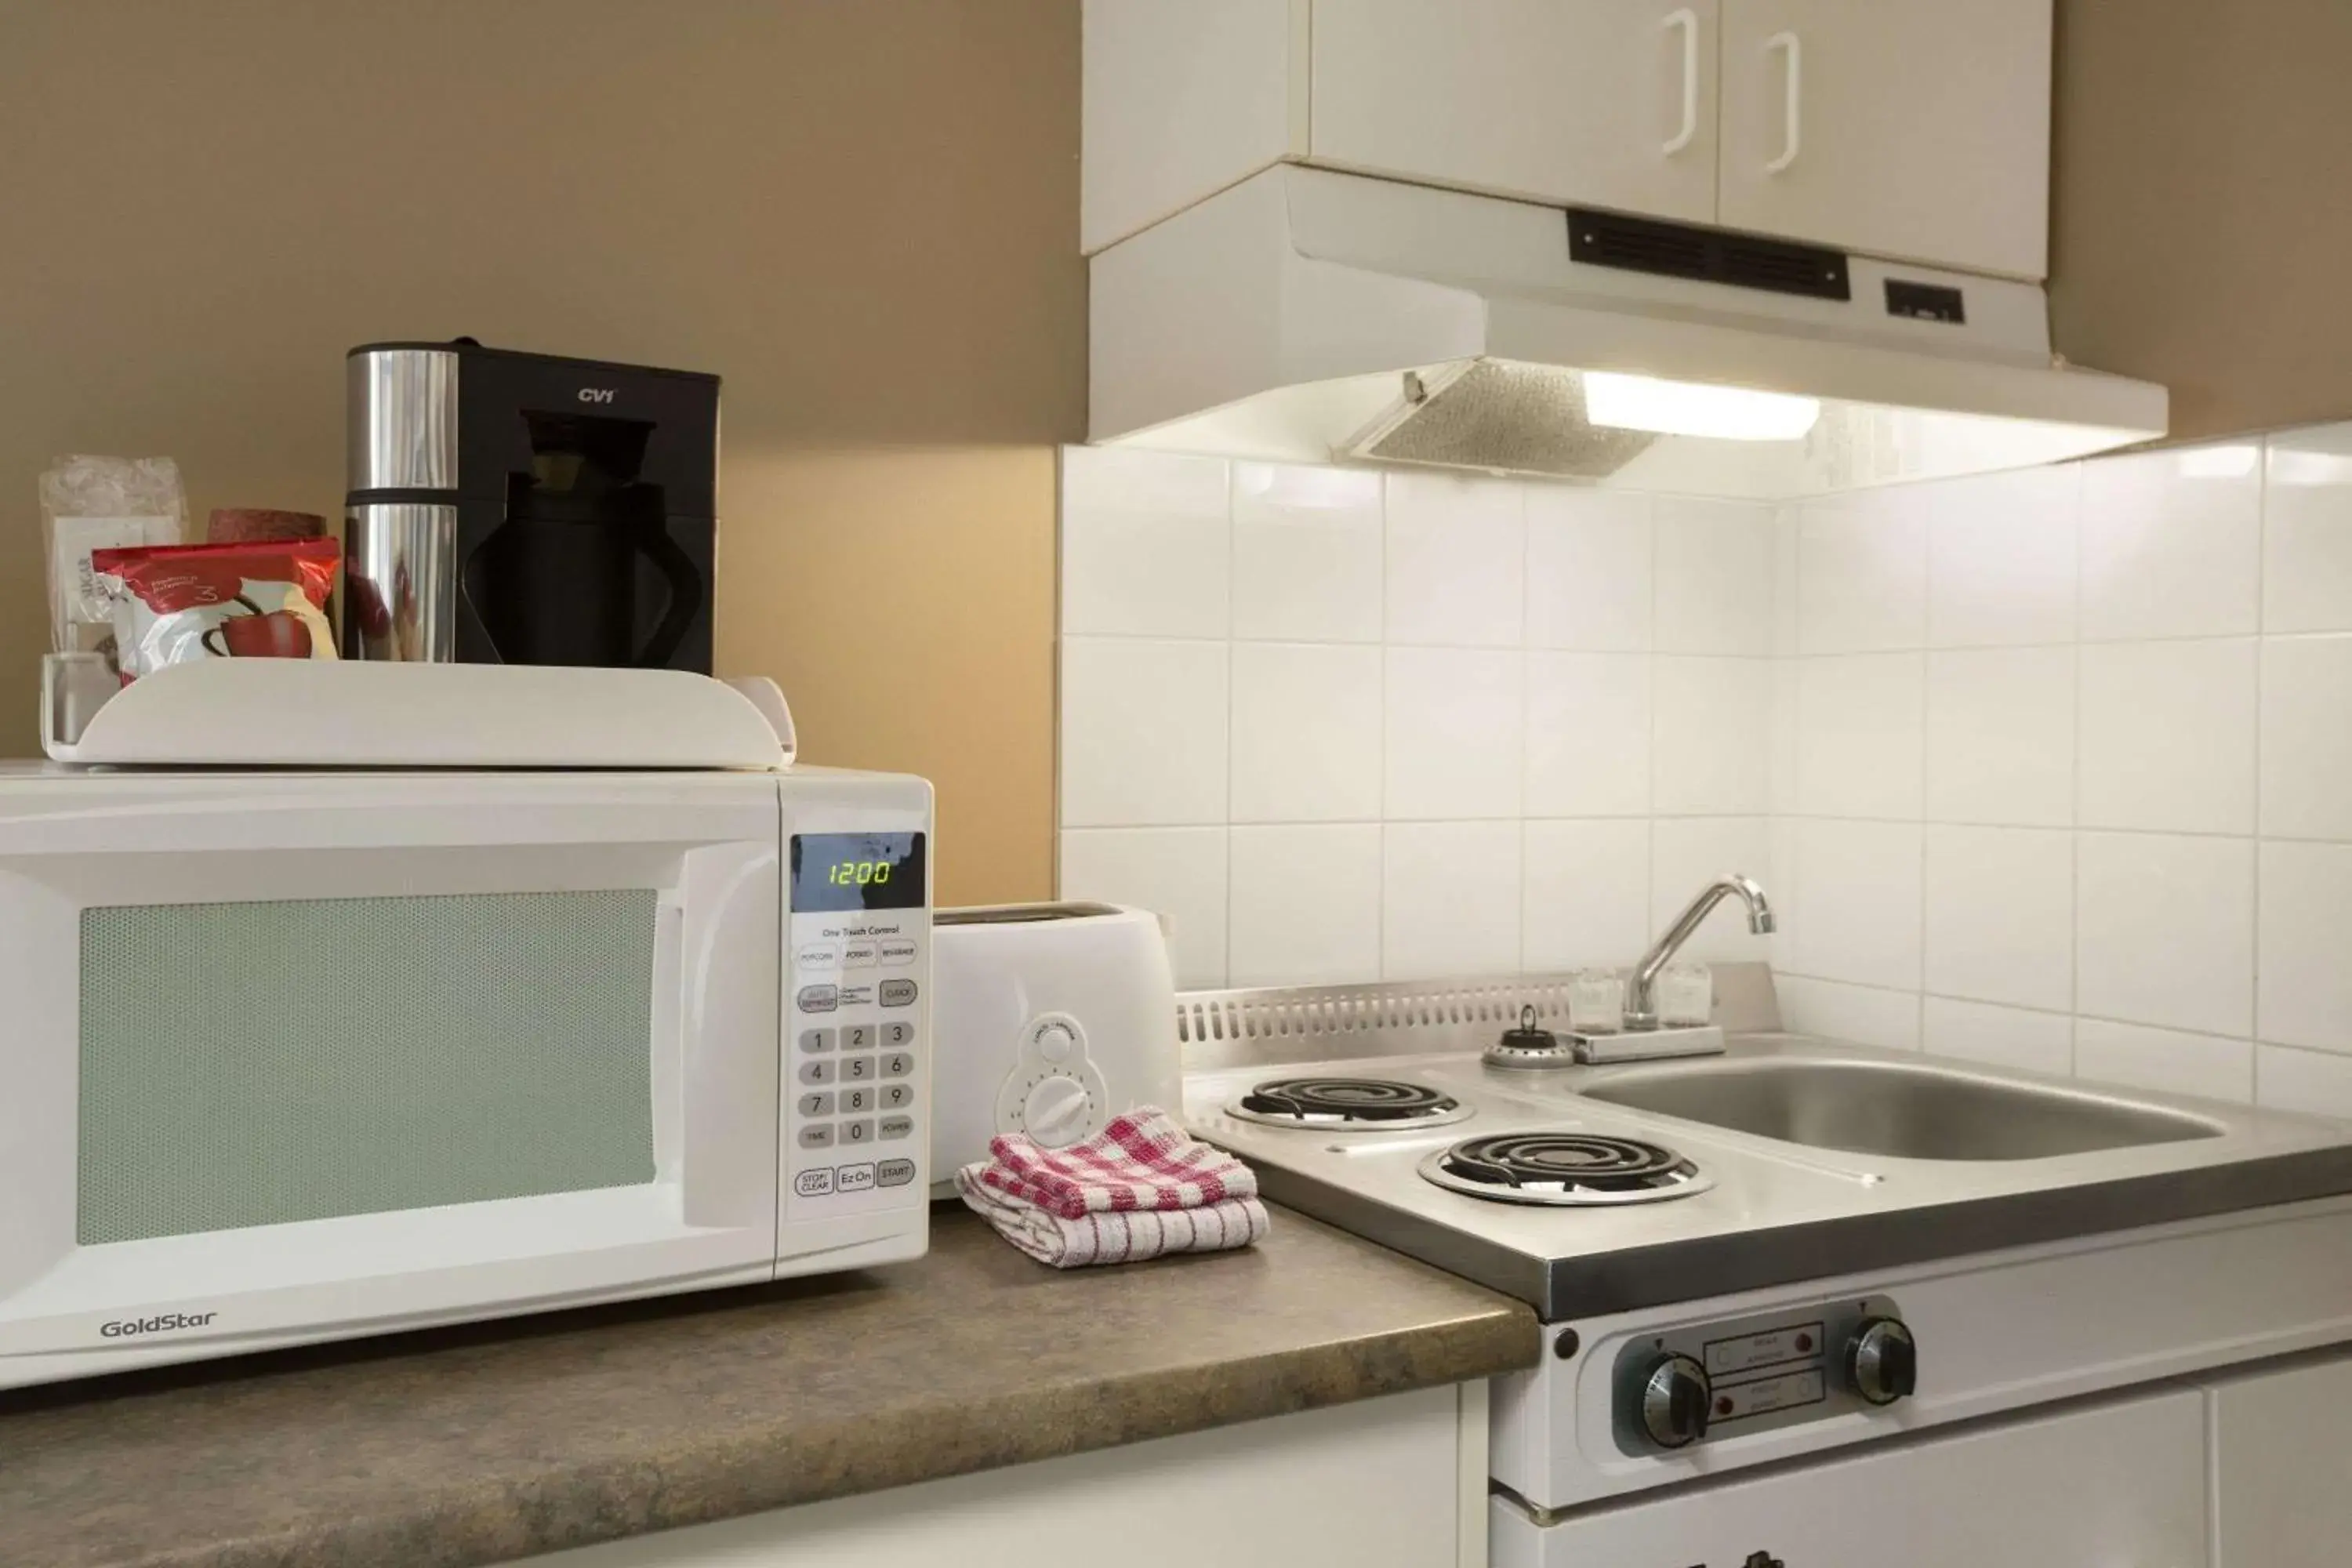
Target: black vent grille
[1682,250]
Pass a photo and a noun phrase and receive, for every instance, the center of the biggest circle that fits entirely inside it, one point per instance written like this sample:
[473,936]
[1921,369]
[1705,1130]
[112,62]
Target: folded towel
[1122,1236]
[1141,1161]
[1137,1189]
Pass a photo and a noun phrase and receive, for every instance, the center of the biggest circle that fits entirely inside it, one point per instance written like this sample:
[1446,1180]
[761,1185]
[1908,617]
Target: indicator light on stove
[1674,1400]
[1881,1361]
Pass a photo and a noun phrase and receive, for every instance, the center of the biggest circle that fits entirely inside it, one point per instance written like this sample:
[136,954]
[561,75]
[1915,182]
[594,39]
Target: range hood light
[1689,408]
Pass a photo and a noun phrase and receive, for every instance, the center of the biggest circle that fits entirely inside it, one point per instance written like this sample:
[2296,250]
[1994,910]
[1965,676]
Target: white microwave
[291,1056]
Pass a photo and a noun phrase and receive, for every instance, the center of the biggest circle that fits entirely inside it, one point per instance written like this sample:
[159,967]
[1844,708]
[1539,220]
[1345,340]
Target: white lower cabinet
[1395,1482]
[2113,1486]
[2283,1468]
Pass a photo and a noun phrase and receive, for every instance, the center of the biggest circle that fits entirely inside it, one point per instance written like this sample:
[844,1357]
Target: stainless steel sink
[1895,1109]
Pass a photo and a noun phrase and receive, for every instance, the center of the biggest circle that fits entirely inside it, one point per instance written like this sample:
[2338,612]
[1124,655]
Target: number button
[897,1096]
[816,1042]
[854,1101]
[857,1132]
[857,1068]
[898,1064]
[896,1035]
[818,1104]
[857,1038]
[816,1072]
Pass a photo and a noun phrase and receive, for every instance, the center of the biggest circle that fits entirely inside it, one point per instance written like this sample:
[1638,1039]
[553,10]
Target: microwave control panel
[857,1023]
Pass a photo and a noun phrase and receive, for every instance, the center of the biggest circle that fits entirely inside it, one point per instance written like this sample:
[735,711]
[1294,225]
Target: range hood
[1309,316]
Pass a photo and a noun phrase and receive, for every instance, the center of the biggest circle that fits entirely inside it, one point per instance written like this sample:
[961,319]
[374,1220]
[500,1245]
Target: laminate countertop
[490,1442]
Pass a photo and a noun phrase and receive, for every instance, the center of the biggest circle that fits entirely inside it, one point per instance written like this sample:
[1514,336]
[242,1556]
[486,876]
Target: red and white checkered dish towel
[1137,1189]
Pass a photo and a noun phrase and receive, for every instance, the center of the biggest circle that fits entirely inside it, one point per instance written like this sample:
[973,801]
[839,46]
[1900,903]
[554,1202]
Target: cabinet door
[2279,1468]
[1606,102]
[1913,129]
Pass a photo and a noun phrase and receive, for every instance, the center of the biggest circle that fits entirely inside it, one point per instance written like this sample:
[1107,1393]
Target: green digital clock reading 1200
[839,873]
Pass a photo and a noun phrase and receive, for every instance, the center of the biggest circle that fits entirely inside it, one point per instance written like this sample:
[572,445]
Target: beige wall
[862,213]
[2202,204]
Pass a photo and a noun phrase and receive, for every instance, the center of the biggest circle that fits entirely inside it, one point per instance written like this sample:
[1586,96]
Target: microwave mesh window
[248,1064]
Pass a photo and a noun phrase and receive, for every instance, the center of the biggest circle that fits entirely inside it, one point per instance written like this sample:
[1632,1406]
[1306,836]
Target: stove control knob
[1674,1399]
[1881,1361]
[1056,1111]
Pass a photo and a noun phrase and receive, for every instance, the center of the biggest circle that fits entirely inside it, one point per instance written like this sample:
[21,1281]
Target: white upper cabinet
[1606,103]
[1913,129]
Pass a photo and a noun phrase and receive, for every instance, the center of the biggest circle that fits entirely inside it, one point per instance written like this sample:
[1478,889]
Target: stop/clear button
[814,1184]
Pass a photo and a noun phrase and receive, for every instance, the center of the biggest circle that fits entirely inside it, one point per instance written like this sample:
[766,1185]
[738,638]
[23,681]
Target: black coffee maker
[522,508]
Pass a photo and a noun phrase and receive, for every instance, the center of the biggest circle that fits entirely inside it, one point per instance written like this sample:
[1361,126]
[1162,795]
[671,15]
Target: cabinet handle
[1793,96]
[1686,20]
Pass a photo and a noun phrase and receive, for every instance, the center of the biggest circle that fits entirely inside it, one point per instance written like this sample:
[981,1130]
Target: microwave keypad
[857,1020]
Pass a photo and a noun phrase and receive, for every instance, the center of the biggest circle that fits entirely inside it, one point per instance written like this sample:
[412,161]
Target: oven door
[2119,1483]
[292,1056]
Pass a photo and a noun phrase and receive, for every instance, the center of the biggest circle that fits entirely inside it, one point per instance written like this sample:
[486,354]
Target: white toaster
[1047,1019]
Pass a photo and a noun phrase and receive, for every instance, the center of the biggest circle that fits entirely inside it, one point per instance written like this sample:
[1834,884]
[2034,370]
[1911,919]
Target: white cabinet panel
[1912,129]
[2281,1441]
[1398,1482]
[1604,103]
[2121,1484]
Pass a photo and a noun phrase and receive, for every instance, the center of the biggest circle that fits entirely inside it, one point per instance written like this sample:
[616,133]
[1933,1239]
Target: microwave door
[302,1056]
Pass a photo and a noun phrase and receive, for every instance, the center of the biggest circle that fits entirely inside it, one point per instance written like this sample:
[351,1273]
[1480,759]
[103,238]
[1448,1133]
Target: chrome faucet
[1641,988]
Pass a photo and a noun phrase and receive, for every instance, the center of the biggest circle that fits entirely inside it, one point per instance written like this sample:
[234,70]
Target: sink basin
[1907,1112]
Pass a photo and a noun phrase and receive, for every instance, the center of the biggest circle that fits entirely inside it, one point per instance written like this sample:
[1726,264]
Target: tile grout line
[2261,664]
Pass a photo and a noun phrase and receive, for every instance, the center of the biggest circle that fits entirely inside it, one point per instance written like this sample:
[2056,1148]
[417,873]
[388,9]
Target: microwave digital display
[842,872]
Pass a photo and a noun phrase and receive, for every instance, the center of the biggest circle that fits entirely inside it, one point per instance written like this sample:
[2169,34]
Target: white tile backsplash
[2001,916]
[2001,558]
[2165,931]
[1143,732]
[1306,724]
[1456,562]
[1456,717]
[1449,898]
[1585,898]
[1857,1015]
[1305,905]
[2306,997]
[1859,897]
[2167,736]
[1307,554]
[2306,747]
[1145,545]
[1587,734]
[1178,873]
[1998,1037]
[2054,753]
[1715,575]
[2205,1065]
[2308,533]
[1861,572]
[2001,737]
[1589,569]
[1861,747]
[1711,737]
[2173,544]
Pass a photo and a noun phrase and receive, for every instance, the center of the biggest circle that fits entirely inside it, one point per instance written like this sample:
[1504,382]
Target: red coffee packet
[177,603]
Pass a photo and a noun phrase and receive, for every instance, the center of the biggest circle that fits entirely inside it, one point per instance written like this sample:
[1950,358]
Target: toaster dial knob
[1055,1042]
[1056,1111]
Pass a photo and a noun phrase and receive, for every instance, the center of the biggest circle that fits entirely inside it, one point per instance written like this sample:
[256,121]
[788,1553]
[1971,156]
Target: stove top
[1563,1169]
[1335,1103]
[1583,1207]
